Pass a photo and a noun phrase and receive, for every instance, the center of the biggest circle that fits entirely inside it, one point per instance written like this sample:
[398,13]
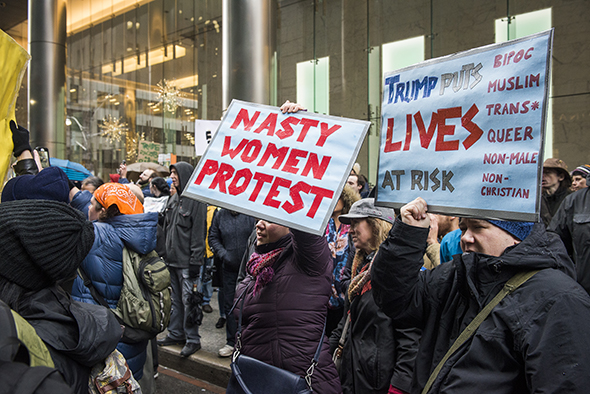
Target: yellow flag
[13,63]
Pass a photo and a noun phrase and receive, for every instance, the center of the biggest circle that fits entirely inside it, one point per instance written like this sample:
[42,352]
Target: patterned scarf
[361,281]
[260,267]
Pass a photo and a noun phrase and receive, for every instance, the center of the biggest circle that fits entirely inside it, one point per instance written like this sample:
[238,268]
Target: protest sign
[285,168]
[465,132]
[13,64]
[148,152]
[204,131]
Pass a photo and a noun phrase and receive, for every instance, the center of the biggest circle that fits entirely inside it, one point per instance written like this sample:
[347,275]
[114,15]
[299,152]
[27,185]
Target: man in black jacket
[185,227]
[572,223]
[534,340]
[228,237]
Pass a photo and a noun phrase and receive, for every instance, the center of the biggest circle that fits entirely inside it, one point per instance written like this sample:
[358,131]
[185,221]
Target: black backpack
[16,374]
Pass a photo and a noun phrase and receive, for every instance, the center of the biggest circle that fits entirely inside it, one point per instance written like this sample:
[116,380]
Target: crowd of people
[389,301]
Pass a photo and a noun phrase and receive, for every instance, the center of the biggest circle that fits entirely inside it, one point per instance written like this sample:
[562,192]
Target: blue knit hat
[520,230]
[49,184]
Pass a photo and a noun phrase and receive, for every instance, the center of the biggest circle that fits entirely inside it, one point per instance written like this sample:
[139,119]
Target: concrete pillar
[47,75]
[249,45]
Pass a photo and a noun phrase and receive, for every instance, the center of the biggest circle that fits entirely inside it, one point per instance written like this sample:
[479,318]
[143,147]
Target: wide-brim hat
[366,208]
[560,166]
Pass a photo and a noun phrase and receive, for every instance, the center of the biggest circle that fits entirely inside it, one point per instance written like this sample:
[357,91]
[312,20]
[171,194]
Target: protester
[376,355]
[42,243]
[442,249]
[119,222]
[533,341]
[579,177]
[185,227]
[286,293]
[555,187]
[207,272]
[91,183]
[228,237]
[337,235]
[572,223]
[160,194]
[144,178]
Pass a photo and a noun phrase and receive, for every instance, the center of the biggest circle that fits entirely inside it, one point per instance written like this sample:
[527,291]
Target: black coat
[534,340]
[572,224]
[228,237]
[375,354]
[78,335]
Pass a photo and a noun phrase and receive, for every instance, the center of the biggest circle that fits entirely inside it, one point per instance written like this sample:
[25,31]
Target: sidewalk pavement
[204,364]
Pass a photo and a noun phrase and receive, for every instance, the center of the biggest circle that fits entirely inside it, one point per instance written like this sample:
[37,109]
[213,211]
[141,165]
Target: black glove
[194,271]
[20,139]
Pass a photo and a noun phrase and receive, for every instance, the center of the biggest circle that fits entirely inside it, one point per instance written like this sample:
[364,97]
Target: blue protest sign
[465,132]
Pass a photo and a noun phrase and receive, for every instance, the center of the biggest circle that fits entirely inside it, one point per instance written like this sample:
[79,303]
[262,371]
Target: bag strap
[95,294]
[512,284]
[342,340]
[316,357]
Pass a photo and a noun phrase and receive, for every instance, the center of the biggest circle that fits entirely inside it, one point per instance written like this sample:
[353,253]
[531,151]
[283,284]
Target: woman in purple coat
[287,291]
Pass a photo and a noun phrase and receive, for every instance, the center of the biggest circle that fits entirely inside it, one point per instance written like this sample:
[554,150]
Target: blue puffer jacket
[104,267]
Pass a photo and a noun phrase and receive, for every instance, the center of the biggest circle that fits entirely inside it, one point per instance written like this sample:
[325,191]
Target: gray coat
[185,224]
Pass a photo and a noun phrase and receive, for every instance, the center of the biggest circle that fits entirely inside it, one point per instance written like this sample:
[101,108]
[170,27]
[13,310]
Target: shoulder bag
[251,376]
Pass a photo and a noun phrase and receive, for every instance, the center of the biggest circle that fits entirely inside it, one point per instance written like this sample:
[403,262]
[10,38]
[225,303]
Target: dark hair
[160,184]
[110,212]
[94,181]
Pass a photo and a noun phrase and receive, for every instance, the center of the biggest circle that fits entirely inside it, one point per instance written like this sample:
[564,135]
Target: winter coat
[104,267]
[551,203]
[376,354]
[77,335]
[228,237]
[81,201]
[572,224]
[283,324]
[185,224]
[535,340]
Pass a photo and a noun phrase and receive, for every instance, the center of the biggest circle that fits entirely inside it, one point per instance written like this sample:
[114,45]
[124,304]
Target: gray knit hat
[42,242]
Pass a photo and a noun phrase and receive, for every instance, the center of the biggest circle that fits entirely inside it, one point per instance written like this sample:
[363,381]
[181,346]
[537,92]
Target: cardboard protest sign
[285,168]
[204,131]
[148,152]
[466,131]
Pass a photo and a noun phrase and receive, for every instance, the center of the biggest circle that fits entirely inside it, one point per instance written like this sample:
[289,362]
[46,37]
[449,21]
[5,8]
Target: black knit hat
[42,242]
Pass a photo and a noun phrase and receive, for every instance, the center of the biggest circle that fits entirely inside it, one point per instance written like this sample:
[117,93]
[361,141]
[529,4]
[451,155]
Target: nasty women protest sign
[465,132]
[285,168]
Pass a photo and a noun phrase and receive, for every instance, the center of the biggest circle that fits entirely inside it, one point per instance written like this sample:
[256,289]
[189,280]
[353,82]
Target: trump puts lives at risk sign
[465,132]
[285,168]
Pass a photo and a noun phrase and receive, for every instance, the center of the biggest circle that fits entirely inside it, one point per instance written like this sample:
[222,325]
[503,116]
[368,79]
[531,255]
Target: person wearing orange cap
[119,222]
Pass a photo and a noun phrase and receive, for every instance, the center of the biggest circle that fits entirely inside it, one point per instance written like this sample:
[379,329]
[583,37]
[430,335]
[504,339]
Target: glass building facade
[331,56]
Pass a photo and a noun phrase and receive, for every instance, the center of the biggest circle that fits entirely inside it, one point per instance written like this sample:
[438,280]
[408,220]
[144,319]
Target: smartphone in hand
[43,156]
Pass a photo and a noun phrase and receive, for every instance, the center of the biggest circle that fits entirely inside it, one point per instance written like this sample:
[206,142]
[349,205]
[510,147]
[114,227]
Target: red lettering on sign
[269,124]
[320,194]
[389,145]
[209,168]
[232,152]
[295,193]
[224,173]
[274,191]
[307,124]
[261,179]
[326,132]
[243,117]
[444,129]
[314,166]
[251,151]
[469,125]
[287,129]
[243,174]
[293,160]
[271,150]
